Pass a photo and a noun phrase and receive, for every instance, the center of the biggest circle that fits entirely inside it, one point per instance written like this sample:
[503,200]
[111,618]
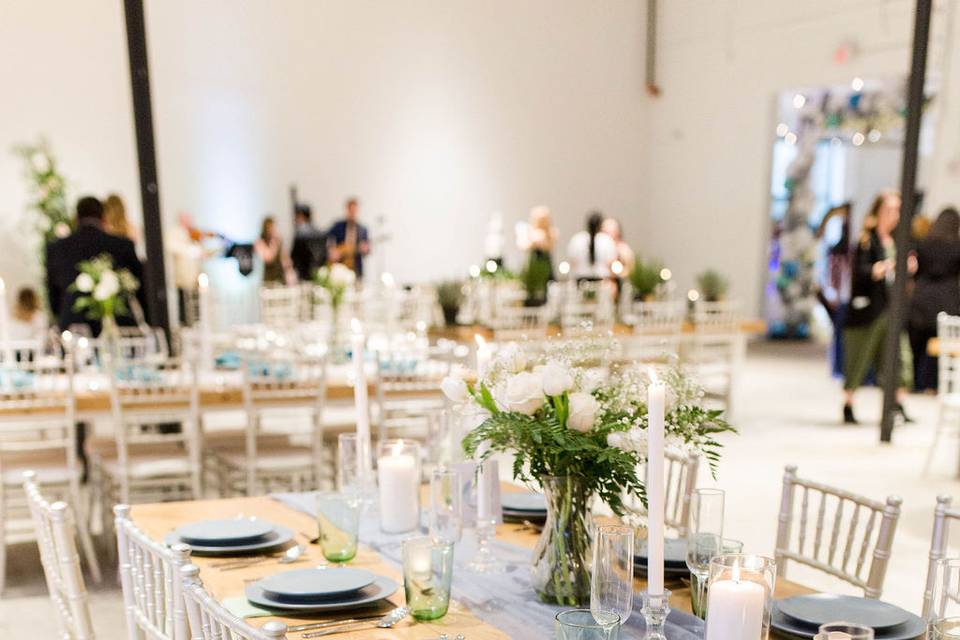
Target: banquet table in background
[465,614]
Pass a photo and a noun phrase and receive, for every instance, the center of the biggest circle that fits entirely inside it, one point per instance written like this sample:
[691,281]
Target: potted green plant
[645,278]
[535,279]
[450,297]
[713,285]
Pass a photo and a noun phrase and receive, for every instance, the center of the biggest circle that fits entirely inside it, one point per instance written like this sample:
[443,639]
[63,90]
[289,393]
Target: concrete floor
[788,414]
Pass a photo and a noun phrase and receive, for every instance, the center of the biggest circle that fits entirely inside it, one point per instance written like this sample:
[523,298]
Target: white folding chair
[408,381]
[150,578]
[657,330]
[38,432]
[270,459]
[587,307]
[148,461]
[209,620]
[850,523]
[948,382]
[942,516]
[280,306]
[520,323]
[61,565]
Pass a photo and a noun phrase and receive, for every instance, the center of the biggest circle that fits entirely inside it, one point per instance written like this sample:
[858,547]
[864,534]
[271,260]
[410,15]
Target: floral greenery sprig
[335,278]
[562,420]
[48,190]
[104,290]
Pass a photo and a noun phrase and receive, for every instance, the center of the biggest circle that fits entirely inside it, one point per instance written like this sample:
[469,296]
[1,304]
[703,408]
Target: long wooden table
[466,333]
[159,519]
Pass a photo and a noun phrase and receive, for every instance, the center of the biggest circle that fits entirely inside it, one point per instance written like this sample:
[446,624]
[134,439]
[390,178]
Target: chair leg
[936,439]
[83,532]
[3,539]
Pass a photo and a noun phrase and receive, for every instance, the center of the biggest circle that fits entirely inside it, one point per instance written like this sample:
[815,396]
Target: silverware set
[385,622]
[293,554]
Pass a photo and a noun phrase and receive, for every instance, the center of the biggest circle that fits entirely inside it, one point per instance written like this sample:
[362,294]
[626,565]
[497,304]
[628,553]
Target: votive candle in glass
[398,476]
[740,597]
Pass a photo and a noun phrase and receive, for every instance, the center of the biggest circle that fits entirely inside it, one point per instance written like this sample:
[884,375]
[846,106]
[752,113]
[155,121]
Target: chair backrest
[56,536]
[520,323]
[942,516]
[681,480]
[150,579]
[717,317]
[657,318]
[209,620]
[587,306]
[948,363]
[280,306]
[854,527]
[154,393]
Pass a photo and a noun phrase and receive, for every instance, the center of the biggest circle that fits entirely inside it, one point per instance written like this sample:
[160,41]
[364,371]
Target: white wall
[708,138]
[64,75]
[434,114]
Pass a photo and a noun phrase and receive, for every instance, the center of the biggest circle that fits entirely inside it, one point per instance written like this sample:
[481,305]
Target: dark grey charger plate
[820,608]
[913,629]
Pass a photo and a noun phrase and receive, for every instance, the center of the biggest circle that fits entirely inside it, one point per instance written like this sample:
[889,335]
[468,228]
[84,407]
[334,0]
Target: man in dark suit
[88,241]
[348,239]
[309,250]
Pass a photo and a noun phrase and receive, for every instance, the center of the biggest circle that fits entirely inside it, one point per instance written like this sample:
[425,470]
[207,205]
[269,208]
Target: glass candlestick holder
[655,610]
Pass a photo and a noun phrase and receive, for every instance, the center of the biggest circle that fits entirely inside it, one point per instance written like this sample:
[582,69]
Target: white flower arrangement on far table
[336,279]
[104,292]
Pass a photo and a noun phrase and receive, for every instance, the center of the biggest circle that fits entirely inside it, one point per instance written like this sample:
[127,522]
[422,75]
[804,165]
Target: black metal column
[156,282]
[908,189]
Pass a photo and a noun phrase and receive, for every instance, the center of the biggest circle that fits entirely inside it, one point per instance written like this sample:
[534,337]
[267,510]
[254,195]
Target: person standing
[88,241]
[115,221]
[872,273]
[936,289]
[309,251]
[348,240]
[591,252]
[625,254]
[27,322]
[277,269]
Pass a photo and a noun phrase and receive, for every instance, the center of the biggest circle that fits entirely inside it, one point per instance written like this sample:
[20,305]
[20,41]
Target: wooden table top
[466,333]
[157,520]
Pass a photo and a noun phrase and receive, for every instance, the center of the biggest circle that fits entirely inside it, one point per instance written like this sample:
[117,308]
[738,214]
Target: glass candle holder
[844,631]
[580,624]
[398,478]
[740,597]
[427,573]
[945,629]
[338,519]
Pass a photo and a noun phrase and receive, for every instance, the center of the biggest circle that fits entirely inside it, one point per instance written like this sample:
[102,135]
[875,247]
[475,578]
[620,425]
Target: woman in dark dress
[872,272]
[937,289]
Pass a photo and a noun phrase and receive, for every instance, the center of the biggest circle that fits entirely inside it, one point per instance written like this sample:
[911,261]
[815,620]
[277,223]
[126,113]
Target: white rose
[523,393]
[61,230]
[513,358]
[556,378]
[40,162]
[583,411]
[110,282]
[455,389]
[342,276]
[101,293]
[84,283]
[44,224]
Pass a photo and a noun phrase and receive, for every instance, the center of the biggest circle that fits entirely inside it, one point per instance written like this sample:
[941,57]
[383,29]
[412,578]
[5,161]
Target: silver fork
[385,622]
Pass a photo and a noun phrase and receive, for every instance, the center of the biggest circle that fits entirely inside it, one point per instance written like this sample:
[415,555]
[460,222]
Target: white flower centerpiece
[581,436]
[103,293]
[335,279]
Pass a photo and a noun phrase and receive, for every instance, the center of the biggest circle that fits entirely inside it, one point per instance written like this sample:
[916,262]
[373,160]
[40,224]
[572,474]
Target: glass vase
[109,351]
[561,570]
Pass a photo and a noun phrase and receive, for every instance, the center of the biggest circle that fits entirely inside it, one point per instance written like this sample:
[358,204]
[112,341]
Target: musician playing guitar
[348,239]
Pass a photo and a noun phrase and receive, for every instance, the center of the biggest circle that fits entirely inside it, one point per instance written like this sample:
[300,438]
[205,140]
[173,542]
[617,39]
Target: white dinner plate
[311,585]
[674,551]
[232,531]
[277,538]
[381,588]
[525,502]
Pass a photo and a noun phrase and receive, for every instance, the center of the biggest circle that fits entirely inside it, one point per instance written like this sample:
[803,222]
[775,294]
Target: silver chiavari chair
[150,579]
[942,517]
[657,331]
[408,378]
[587,307]
[56,531]
[155,453]
[520,323]
[280,306]
[38,433]
[948,382]
[268,459]
[681,480]
[853,530]
[209,620]
[716,350]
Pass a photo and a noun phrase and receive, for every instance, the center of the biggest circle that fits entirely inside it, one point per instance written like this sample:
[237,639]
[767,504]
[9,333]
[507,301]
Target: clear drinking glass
[703,542]
[844,631]
[446,505]
[580,624]
[945,629]
[338,518]
[611,581]
[427,573]
[349,476]
[945,595]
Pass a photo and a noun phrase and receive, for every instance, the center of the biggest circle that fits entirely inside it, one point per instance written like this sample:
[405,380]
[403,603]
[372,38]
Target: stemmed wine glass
[611,581]
[703,542]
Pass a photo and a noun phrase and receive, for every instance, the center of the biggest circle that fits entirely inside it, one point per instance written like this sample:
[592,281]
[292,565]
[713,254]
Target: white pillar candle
[656,399]
[5,324]
[204,311]
[399,484]
[361,404]
[735,609]
[484,355]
